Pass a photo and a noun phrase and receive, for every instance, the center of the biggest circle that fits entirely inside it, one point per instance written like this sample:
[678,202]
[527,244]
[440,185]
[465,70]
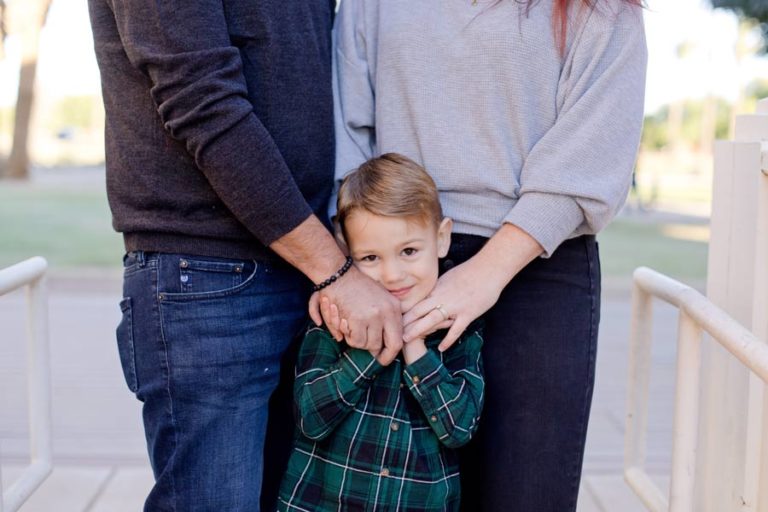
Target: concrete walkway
[100,460]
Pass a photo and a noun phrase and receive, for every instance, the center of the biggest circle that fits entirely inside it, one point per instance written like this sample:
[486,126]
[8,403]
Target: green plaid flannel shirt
[380,438]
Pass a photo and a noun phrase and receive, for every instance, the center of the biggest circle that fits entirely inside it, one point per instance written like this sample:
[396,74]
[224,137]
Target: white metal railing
[31,274]
[697,314]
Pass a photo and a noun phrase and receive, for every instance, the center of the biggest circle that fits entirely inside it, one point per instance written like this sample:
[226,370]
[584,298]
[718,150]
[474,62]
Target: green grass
[71,228]
[627,244]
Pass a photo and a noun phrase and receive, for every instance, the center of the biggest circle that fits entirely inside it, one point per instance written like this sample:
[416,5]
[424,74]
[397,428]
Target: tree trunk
[29,21]
[2,29]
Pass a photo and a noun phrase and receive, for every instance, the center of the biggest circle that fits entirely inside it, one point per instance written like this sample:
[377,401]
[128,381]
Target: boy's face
[398,253]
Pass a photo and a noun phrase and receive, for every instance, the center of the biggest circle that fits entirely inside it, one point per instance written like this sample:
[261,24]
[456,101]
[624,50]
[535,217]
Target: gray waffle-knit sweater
[479,94]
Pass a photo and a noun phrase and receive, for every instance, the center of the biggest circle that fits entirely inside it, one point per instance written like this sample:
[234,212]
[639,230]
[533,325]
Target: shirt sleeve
[330,380]
[201,96]
[577,175]
[450,389]
[353,90]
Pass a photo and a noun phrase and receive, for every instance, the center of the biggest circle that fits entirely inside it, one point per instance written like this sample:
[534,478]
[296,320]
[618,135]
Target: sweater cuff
[359,366]
[548,218]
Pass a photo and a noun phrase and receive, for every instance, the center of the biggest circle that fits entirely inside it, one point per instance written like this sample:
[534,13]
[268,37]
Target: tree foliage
[756,10]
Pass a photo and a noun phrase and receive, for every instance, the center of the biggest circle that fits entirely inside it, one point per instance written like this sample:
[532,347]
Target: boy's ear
[444,237]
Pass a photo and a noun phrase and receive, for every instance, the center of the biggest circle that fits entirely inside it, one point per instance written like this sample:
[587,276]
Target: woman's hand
[467,291]
[461,295]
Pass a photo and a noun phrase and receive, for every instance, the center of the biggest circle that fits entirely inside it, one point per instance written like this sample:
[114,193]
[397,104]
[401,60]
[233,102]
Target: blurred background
[707,64]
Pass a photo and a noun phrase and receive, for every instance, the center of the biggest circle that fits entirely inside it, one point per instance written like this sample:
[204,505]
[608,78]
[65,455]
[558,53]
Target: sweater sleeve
[353,90]
[201,96]
[330,381]
[577,175]
[449,388]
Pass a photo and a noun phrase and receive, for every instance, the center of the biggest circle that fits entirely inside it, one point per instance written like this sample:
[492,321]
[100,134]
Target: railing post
[756,467]
[39,373]
[686,422]
[636,421]
[729,434]
[31,275]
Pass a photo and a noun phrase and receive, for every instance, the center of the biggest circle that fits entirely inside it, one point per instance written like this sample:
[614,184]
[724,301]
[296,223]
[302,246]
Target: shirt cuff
[548,218]
[424,373]
[359,366]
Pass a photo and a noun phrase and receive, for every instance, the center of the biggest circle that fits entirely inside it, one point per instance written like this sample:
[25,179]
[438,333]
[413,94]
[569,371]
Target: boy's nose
[391,273]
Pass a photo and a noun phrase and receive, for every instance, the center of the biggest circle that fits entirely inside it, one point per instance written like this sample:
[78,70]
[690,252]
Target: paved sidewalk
[100,459]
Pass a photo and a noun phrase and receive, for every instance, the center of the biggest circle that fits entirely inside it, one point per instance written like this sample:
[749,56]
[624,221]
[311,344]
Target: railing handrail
[733,336]
[697,315]
[22,274]
[31,274]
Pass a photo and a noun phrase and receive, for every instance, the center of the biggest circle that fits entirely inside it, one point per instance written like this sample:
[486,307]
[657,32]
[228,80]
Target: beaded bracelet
[334,277]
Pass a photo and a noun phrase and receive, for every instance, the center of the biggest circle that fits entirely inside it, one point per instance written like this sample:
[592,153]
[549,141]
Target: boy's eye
[409,251]
[370,257]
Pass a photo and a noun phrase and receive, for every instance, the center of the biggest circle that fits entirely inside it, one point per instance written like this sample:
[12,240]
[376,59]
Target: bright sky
[67,64]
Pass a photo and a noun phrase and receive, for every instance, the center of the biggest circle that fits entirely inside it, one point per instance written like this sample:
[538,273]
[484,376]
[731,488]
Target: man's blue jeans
[200,343]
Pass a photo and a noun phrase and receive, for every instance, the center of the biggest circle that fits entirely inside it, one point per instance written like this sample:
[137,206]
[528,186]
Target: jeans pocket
[190,278]
[125,345]
[200,276]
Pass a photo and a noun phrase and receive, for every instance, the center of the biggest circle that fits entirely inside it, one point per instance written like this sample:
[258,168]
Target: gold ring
[442,311]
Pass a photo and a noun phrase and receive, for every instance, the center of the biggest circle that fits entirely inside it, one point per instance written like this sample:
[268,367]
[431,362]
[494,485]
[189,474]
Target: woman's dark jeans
[539,357]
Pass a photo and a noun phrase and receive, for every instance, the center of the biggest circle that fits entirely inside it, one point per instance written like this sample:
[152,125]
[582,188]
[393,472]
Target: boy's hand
[321,310]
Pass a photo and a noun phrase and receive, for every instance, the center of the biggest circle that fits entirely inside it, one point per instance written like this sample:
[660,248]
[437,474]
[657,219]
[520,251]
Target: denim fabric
[200,343]
[539,356]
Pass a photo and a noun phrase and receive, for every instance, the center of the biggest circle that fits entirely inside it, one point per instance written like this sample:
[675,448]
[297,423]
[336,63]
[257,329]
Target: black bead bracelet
[343,270]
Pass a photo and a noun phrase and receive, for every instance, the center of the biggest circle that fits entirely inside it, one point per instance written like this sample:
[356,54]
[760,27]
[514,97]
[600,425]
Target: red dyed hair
[560,16]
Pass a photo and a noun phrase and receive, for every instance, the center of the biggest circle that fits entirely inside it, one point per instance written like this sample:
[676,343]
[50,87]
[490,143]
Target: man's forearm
[311,248]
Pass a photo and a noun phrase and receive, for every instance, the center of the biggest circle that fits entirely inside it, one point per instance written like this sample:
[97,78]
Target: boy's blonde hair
[391,185]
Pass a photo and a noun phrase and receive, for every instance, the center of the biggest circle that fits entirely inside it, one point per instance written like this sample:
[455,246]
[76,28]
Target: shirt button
[183,263]
[433,418]
[402,385]
[415,379]
[394,426]
[384,472]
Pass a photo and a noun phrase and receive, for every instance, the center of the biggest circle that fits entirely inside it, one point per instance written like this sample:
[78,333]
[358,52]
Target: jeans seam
[167,381]
[590,373]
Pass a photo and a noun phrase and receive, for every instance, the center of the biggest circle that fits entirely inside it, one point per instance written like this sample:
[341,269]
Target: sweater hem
[213,247]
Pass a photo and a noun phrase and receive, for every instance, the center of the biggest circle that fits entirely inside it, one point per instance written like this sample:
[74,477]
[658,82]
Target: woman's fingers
[419,310]
[425,325]
[456,330]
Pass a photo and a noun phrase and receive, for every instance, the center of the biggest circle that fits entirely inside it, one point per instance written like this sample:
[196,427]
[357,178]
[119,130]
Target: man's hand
[372,315]
[357,309]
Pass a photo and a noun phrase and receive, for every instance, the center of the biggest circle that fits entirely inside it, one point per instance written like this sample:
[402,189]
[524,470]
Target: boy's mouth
[401,292]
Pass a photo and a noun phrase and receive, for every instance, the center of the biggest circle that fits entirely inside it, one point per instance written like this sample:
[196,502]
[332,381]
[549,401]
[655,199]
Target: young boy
[381,438]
